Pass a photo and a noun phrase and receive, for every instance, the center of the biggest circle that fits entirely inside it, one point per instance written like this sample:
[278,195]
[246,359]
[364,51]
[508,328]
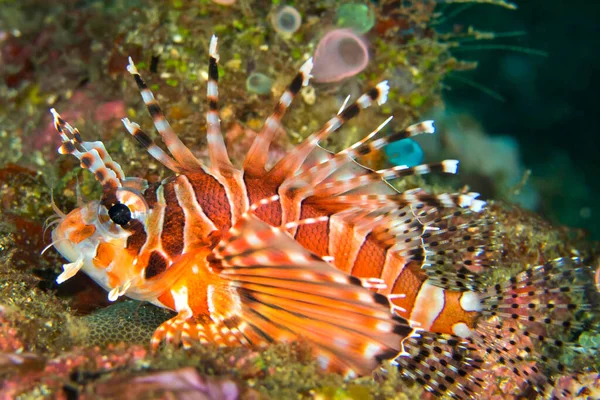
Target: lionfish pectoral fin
[285,293]
[154,287]
[173,331]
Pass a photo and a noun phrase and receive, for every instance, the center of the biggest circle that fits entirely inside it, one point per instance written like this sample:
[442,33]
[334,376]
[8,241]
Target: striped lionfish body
[318,247]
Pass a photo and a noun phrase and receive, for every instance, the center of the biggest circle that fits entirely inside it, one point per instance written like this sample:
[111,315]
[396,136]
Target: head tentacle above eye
[92,155]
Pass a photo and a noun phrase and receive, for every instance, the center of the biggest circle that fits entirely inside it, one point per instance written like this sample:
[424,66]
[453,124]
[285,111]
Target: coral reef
[69,340]
[60,55]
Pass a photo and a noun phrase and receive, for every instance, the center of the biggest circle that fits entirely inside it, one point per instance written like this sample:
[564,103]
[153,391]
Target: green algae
[42,320]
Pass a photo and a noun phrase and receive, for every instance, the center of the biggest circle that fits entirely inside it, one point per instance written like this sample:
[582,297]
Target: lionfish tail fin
[532,321]
[287,293]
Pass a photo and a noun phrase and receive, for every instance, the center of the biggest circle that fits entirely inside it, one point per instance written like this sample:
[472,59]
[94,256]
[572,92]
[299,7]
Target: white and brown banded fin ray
[92,155]
[217,152]
[159,154]
[443,364]
[70,133]
[256,159]
[414,198]
[180,152]
[334,167]
[292,190]
[286,293]
[347,168]
[292,162]
[333,188]
[542,305]
[341,175]
[326,163]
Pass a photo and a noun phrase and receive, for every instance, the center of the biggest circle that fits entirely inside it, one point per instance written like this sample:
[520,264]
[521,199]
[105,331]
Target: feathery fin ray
[285,293]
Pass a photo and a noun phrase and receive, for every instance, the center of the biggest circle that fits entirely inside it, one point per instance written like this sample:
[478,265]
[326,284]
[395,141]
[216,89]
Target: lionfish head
[96,235]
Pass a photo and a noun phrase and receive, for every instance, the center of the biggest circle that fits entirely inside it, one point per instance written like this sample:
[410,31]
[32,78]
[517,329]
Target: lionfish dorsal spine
[256,158]
[176,147]
[217,152]
[288,166]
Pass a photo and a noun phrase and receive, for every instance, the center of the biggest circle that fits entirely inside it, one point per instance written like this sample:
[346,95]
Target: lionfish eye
[119,214]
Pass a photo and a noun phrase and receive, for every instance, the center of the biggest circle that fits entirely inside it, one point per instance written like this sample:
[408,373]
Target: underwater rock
[224,2]
[185,383]
[10,362]
[582,386]
[10,340]
[70,373]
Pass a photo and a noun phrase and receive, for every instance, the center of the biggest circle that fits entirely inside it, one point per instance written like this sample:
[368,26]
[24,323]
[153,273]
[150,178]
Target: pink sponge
[340,54]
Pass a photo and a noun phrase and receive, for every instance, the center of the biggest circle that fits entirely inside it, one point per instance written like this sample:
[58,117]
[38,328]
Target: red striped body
[191,211]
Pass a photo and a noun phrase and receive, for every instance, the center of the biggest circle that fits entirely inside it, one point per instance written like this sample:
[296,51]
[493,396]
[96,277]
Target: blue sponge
[404,152]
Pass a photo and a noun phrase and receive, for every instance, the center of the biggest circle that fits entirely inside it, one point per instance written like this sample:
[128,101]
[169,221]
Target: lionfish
[317,248]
